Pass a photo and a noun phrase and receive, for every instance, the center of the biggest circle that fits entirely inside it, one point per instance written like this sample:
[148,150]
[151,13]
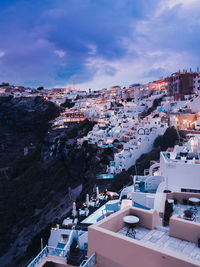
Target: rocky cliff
[41,172]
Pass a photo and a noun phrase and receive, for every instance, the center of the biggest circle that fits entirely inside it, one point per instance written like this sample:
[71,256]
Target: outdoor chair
[185,201]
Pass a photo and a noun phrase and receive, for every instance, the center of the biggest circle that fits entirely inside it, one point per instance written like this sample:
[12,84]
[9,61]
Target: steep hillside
[42,171]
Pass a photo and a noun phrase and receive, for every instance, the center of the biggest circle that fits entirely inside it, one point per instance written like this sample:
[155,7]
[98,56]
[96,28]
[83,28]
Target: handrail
[45,252]
[90,262]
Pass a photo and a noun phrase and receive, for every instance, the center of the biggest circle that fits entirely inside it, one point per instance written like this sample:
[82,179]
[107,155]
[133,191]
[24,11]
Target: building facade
[181,84]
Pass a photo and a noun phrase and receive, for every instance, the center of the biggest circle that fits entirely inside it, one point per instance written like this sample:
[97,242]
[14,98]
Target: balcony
[49,254]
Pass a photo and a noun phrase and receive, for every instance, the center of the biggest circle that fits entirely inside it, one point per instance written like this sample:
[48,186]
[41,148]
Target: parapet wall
[116,250]
[182,195]
[183,229]
[148,219]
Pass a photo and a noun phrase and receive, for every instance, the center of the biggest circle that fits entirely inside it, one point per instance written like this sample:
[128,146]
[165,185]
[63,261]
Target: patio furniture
[68,222]
[84,212]
[102,197]
[185,201]
[131,222]
[91,204]
[195,202]
[175,201]
[97,203]
[189,215]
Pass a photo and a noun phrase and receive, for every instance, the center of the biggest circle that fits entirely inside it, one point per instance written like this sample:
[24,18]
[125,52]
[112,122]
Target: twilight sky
[96,43]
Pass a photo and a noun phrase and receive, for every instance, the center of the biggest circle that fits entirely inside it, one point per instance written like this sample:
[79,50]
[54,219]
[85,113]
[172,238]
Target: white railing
[45,252]
[90,262]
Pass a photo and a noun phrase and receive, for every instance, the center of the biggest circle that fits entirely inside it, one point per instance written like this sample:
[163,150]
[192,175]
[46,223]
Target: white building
[178,171]
[196,84]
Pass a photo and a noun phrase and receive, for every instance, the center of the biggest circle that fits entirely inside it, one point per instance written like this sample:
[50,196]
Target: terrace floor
[161,239]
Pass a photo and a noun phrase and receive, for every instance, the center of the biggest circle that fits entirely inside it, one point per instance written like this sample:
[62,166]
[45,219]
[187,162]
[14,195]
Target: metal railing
[45,252]
[90,262]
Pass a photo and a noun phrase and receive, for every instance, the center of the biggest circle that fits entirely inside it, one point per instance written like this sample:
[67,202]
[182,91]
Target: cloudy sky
[96,43]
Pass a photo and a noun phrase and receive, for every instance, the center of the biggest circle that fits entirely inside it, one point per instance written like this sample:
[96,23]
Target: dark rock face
[23,123]
[38,166]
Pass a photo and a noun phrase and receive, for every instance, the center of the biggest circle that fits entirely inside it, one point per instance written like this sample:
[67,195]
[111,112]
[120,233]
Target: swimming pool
[61,245]
[107,146]
[95,216]
[105,176]
[137,205]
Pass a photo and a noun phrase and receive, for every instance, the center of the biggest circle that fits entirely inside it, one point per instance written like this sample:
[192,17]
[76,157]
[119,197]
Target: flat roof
[162,240]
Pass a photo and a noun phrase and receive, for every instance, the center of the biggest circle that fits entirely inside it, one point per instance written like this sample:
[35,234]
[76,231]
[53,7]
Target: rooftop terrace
[167,246]
[160,237]
[173,157]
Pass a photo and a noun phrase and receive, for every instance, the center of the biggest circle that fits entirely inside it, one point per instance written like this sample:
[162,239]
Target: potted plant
[188,214]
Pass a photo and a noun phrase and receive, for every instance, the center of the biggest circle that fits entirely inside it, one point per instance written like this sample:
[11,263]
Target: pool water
[95,216]
[105,176]
[107,146]
[58,250]
[140,206]
[61,245]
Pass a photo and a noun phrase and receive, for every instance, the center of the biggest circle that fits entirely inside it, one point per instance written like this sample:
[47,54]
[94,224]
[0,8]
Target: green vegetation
[68,104]
[167,140]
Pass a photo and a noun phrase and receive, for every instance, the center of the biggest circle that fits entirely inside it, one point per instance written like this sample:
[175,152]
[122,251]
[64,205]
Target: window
[190,190]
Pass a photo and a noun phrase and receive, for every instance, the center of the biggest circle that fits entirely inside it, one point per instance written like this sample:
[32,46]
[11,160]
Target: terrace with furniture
[185,205]
[115,244]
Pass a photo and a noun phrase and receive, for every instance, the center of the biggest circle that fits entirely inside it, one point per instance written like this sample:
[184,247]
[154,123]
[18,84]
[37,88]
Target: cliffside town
[58,145]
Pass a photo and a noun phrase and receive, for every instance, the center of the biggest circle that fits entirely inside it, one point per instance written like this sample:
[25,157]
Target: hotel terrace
[154,245]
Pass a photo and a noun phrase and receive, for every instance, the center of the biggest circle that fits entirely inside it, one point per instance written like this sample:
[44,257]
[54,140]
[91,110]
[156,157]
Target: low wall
[183,229]
[53,261]
[148,219]
[182,195]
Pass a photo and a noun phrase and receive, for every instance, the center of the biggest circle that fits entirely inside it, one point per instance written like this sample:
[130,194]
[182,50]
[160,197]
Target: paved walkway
[160,237]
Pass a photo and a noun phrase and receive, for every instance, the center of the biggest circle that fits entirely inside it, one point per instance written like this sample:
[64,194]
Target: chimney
[197,69]
[190,69]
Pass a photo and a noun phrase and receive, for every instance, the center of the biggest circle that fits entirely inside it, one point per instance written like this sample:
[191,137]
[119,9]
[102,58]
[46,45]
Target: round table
[131,222]
[194,200]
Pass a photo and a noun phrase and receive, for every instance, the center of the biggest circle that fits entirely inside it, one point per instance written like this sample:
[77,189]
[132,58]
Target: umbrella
[97,190]
[87,200]
[74,209]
